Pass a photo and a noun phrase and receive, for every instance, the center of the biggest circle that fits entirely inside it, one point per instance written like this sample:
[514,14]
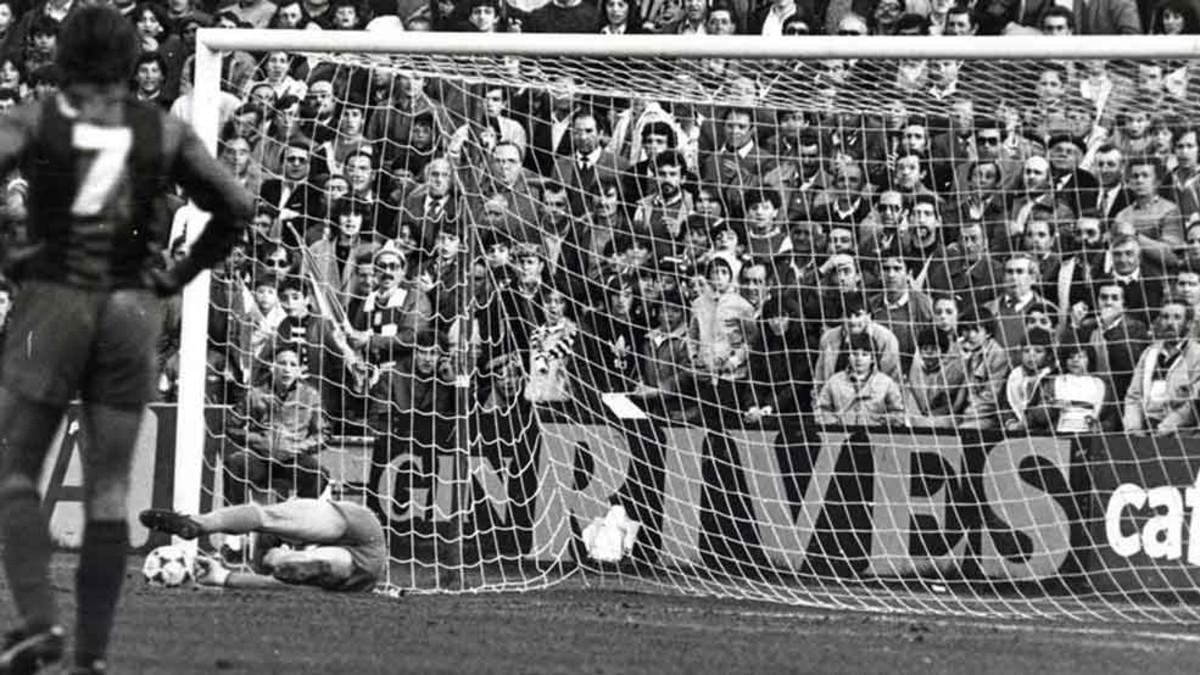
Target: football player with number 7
[88,313]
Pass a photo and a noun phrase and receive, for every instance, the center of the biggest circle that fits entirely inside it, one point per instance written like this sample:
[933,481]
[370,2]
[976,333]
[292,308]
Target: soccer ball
[169,566]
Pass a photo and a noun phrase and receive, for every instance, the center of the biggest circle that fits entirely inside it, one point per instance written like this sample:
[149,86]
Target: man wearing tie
[427,207]
[590,165]
[1143,292]
[1113,196]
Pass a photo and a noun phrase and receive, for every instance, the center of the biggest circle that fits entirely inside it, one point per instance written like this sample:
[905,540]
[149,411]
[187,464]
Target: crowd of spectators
[924,243]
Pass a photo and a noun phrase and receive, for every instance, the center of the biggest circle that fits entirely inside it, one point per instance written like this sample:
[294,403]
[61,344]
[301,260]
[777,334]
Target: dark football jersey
[96,211]
[94,192]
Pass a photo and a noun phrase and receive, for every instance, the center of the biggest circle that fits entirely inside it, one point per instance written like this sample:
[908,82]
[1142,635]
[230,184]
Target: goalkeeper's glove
[209,572]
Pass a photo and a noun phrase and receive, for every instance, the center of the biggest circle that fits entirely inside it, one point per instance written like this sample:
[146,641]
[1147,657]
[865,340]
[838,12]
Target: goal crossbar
[731,46]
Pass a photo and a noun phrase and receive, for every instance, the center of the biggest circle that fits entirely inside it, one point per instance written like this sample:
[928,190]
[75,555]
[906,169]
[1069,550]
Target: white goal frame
[210,43]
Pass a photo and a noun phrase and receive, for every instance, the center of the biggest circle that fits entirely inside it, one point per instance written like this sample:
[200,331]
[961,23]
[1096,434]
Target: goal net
[905,334]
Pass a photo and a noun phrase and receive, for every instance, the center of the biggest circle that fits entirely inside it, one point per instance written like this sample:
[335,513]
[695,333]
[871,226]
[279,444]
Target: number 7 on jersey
[111,145]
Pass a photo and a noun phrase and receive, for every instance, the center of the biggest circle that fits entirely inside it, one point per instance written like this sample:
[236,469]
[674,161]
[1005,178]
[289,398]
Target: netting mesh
[864,334]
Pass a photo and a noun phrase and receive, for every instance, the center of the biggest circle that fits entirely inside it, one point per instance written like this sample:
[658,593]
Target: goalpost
[539,415]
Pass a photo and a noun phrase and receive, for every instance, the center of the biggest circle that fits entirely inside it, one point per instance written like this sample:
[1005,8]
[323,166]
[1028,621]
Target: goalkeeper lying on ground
[345,547]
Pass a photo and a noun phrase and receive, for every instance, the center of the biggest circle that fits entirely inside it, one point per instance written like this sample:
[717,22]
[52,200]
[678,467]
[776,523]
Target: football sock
[233,519]
[27,551]
[98,586]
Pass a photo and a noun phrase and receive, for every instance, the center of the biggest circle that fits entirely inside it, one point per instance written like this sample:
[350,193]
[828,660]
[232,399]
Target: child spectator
[1037,363]
[934,393]
[299,330]
[719,316]
[1074,401]
[860,395]
[856,321]
[666,361]
[551,352]
[765,237]
[726,241]
[262,316]
[987,367]
[278,434]
[717,340]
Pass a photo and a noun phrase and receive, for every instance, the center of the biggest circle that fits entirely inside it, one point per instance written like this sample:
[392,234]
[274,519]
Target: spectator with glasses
[293,200]
[885,228]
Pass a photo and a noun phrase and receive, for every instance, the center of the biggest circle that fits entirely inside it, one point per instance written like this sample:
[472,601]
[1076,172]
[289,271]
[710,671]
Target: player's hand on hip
[162,281]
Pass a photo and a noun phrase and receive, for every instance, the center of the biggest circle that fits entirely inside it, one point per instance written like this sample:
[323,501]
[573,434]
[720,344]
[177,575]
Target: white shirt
[1107,199]
[773,24]
[558,129]
[589,160]
[837,208]
[897,304]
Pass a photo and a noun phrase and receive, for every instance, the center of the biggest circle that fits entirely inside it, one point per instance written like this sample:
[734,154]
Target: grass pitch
[571,629]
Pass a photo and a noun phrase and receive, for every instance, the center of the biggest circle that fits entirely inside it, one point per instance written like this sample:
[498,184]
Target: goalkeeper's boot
[171,522]
[26,652]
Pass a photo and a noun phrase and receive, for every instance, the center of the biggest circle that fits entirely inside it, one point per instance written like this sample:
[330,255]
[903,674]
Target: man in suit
[429,206]
[802,178]
[850,204]
[983,202]
[1143,291]
[548,117]
[1072,185]
[1084,254]
[1021,275]
[1118,338]
[509,194]
[293,200]
[583,172]
[1112,196]
[739,163]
